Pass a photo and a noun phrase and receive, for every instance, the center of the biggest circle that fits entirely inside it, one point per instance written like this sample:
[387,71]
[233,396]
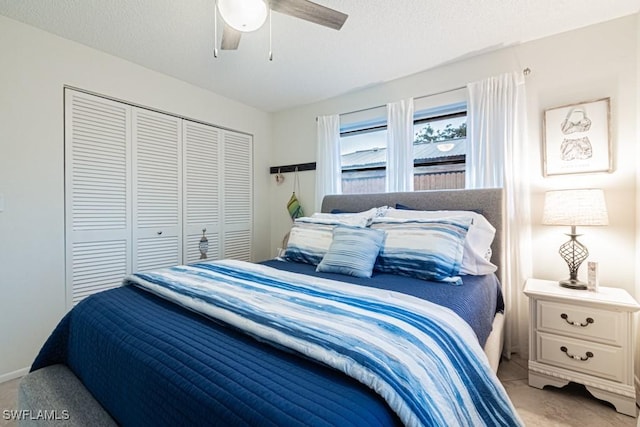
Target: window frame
[451,160]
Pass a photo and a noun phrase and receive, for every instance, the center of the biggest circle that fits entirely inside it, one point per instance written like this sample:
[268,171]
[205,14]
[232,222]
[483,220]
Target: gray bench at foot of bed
[55,396]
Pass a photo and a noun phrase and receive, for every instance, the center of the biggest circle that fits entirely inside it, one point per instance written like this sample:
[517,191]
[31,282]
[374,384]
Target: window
[438,151]
[364,155]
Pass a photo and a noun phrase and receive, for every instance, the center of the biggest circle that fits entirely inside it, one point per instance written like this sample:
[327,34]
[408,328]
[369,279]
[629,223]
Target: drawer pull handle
[588,355]
[159,233]
[588,321]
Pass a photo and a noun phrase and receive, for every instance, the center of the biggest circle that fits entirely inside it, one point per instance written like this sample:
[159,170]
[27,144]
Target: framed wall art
[576,138]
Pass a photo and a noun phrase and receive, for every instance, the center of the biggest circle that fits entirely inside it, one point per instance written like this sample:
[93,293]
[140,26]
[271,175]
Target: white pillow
[477,246]
[335,219]
[353,219]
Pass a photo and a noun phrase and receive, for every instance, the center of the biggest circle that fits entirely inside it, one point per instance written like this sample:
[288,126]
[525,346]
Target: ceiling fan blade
[230,38]
[310,11]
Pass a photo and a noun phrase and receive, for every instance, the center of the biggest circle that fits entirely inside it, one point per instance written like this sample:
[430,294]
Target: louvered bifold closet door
[237,195]
[157,190]
[97,194]
[201,201]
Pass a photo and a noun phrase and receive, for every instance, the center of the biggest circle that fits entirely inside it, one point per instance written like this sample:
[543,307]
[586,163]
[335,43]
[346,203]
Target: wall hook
[279,177]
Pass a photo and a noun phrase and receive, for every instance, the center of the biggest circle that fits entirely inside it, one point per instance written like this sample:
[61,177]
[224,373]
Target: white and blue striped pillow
[310,238]
[308,243]
[426,249]
[476,258]
[353,251]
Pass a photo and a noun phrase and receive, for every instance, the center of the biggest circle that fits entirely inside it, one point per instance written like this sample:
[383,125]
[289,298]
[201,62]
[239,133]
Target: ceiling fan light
[243,15]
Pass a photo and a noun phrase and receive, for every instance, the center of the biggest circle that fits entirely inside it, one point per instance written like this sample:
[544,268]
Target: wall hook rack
[292,168]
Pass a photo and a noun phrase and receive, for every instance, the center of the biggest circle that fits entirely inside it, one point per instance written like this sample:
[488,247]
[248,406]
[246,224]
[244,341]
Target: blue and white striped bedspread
[420,357]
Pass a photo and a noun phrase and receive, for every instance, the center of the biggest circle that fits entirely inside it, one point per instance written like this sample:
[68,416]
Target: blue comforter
[150,362]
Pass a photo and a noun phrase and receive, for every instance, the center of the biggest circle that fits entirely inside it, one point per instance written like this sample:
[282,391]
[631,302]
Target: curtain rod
[417,97]
[526,72]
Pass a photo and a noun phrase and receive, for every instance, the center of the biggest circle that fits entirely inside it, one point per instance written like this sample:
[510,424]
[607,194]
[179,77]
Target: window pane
[441,129]
[364,156]
[438,152]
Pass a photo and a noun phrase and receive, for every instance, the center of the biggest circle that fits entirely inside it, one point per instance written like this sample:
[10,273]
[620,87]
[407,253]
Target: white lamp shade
[243,15]
[575,207]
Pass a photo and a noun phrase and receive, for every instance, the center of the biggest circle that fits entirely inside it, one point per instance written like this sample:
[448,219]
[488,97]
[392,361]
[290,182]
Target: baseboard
[16,374]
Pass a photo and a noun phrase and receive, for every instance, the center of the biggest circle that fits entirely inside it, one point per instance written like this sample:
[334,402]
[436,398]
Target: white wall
[596,62]
[590,63]
[637,355]
[35,67]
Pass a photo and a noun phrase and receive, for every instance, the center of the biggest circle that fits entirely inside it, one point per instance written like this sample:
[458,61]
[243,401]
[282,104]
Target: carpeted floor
[8,400]
[572,405]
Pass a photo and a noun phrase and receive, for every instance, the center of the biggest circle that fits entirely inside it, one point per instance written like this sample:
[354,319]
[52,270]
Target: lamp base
[573,284]
[573,253]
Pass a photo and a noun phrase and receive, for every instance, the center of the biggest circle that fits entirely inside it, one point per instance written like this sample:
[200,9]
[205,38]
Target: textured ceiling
[381,40]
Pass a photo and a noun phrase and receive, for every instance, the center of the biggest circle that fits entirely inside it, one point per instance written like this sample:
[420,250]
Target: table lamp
[573,208]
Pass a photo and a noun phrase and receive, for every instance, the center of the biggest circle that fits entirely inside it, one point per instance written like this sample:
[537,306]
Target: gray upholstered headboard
[488,202]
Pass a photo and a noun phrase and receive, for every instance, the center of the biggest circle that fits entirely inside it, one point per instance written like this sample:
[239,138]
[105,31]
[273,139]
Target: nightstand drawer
[587,357]
[577,321]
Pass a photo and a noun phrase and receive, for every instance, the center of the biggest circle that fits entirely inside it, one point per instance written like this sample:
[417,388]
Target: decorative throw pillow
[353,251]
[421,248]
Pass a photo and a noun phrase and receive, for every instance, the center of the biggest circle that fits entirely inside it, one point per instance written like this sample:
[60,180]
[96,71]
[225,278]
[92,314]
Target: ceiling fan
[243,16]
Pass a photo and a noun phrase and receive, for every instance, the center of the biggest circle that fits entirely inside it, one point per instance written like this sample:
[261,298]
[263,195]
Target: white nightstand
[584,337]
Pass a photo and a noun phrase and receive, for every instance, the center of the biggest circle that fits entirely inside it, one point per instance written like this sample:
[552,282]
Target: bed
[279,343]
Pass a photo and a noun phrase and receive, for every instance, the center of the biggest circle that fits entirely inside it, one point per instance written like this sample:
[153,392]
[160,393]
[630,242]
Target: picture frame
[576,138]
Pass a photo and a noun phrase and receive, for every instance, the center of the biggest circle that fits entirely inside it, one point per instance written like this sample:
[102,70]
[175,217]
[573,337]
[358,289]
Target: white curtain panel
[497,157]
[400,137]
[328,167]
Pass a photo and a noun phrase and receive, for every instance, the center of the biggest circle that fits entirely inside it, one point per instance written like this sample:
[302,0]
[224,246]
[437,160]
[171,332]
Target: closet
[142,188]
